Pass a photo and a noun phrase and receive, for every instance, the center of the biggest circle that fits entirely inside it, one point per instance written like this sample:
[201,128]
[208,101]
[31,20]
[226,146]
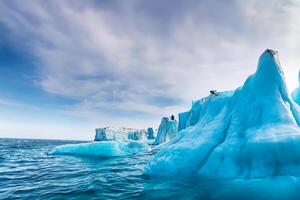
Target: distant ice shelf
[110,142]
[123,134]
[115,133]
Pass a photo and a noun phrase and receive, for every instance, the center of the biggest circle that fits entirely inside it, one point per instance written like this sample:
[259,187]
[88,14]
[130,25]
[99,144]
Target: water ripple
[28,172]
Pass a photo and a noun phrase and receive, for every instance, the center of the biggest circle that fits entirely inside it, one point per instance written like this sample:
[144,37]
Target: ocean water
[28,172]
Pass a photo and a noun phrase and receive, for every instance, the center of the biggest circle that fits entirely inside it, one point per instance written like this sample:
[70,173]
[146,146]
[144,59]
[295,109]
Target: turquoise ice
[250,132]
[167,130]
[102,149]
[296,93]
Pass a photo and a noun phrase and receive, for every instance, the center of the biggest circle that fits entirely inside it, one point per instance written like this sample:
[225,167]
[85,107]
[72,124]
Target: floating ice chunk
[100,149]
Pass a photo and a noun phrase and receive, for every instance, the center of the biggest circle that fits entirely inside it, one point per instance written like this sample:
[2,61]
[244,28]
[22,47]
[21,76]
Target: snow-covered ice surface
[167,130]
[101,149]
[252,132]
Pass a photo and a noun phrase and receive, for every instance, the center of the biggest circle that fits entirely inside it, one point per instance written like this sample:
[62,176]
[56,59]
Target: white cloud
[129,56]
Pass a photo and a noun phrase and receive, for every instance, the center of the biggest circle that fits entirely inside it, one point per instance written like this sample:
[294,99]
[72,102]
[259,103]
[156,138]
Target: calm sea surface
[28,172]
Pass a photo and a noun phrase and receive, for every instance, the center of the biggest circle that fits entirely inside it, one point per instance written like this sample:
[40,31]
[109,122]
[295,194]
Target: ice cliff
[167,130]
[201,108]
[296,92]
[250,132]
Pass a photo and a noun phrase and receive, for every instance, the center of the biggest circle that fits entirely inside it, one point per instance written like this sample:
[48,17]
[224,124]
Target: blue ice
[247,133]
[101,149]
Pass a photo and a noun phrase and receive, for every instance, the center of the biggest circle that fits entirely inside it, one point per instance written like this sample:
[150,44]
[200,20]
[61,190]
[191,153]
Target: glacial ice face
[201,107]
[191,117]
[183,120]
[251,132]
[167,130]
[296,93]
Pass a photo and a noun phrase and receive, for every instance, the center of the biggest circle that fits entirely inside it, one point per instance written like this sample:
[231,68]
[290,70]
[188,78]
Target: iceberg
[250,132]
[121,134]
[102,149]
[167,130]
[109,142]
[296,93]
[99,149]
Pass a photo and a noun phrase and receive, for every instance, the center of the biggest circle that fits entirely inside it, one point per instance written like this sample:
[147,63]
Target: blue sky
[67,67]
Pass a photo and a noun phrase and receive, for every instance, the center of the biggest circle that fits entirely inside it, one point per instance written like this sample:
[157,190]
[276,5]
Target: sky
[68,67]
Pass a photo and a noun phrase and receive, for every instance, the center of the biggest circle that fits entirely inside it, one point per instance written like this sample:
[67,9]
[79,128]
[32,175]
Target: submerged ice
[250,132]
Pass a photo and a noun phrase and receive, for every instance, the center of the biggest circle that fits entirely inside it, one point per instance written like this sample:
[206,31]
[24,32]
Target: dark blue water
[28,172]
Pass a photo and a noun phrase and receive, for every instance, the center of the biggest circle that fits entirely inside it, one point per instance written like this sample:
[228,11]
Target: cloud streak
[149,57]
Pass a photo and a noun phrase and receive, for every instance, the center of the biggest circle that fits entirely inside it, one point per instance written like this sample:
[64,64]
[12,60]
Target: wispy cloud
[5,102]
[149,57]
